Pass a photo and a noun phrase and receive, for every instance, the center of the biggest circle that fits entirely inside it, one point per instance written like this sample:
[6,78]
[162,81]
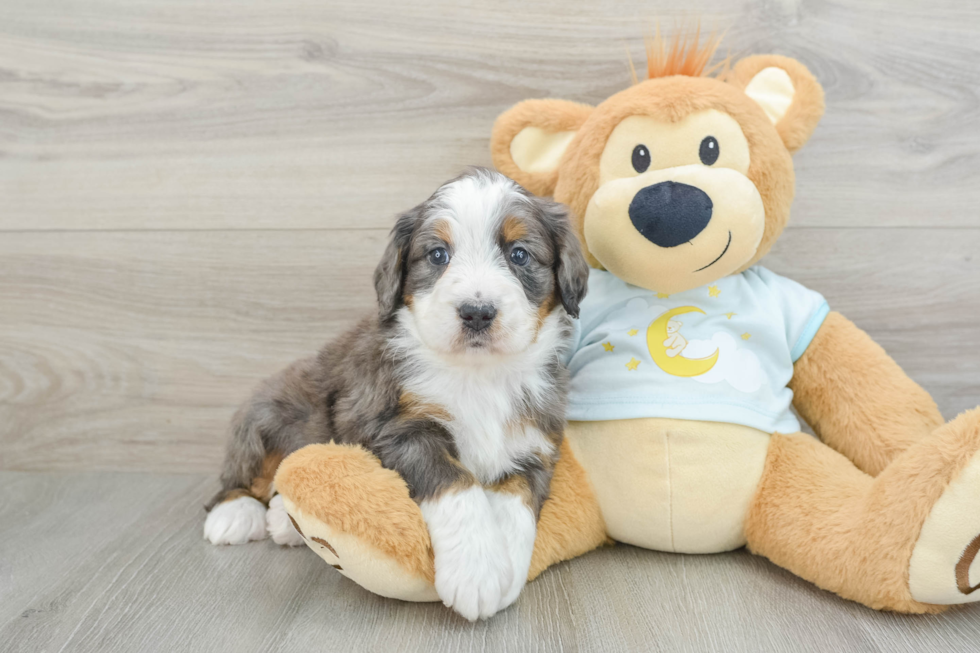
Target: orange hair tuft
[683,56]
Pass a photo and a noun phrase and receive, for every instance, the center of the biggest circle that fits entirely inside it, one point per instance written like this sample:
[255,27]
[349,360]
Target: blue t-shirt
[718,353]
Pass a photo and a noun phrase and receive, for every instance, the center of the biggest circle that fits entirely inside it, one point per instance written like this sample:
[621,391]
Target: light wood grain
[115,562]
[300,114]
[130,351]
[193,194]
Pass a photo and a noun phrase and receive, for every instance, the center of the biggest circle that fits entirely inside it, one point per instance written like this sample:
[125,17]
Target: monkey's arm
[857,399]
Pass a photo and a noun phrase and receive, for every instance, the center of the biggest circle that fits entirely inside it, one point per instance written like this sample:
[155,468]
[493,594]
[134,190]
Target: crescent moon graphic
[677,366]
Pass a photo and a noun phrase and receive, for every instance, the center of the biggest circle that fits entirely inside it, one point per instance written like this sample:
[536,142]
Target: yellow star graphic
[746,336]
[662,295]
[608,346]
[632,332]
[633,364]
[730,315]
[713,291]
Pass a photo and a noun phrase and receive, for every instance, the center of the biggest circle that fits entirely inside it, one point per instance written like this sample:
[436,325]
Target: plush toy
[689,356]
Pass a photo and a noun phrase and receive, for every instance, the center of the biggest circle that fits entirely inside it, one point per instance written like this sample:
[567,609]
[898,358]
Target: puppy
[456,384]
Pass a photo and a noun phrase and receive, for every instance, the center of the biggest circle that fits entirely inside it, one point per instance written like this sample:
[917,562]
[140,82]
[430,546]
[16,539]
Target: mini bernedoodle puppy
[457,384]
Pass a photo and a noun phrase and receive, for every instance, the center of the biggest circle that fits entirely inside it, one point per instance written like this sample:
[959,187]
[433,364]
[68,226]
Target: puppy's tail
[269,427]
[246,469]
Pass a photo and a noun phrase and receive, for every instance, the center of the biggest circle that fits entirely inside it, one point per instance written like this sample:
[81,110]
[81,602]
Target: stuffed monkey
[680,434]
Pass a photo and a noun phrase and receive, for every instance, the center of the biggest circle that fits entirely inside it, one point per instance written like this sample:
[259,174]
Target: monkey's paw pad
[945,564]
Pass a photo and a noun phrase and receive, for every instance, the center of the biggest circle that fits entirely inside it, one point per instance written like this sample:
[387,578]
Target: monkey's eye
[641,158]
[439,256]
[709,150]
[519,256]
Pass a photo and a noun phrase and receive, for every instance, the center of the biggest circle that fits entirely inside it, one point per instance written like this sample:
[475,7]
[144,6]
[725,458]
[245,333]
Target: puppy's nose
[669,214]
[477,317]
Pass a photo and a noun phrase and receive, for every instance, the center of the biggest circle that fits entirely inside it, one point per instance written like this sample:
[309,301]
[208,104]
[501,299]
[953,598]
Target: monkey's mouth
[724,251]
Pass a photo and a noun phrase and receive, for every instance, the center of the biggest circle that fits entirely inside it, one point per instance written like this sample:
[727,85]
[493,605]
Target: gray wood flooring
[115,562]
[192,194]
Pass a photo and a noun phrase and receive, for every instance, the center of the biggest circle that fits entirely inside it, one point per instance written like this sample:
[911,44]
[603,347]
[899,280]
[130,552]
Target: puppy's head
[480,266]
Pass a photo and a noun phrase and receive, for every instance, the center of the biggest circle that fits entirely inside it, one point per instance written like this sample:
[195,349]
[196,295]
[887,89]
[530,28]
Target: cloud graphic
[739,367]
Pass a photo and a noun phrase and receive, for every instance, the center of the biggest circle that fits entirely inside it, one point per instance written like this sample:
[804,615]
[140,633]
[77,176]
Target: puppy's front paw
[472,577]
[519,526]
[473,568]
[237,521]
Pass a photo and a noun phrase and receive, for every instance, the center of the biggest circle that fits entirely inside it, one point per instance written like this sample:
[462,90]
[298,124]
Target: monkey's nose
[669,214]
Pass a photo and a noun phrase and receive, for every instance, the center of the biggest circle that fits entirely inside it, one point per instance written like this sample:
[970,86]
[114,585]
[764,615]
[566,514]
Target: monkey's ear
[530,138]
[788,93]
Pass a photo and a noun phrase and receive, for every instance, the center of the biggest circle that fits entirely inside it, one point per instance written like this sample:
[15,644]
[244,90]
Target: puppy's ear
[571,269]
[389,276]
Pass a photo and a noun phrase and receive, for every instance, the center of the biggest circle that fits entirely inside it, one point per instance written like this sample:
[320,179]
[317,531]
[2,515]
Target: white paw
[280,528]
[473,568]
[517,523]
[237,521]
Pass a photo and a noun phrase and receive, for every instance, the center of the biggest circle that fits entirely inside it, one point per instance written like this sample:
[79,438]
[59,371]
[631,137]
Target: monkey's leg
[900,541]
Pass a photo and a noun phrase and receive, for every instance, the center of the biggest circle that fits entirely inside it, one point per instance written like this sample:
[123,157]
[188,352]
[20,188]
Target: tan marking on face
[513,229]
[413,407]
[262,486]
[515,485]
[408,299]
[544,311]
[444,231]
[296,526]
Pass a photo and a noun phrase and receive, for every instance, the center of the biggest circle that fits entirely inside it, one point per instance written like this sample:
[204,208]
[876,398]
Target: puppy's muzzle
[669,214]
[477,317]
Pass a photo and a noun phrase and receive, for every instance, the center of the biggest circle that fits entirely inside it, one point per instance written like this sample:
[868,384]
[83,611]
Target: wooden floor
[192,194]
[115,562]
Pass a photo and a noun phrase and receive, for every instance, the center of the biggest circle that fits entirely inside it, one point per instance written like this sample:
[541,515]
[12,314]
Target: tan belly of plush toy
[672,485]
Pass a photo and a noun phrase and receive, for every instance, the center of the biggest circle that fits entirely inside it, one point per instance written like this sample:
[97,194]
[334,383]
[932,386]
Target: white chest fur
[488,396]
[487,404]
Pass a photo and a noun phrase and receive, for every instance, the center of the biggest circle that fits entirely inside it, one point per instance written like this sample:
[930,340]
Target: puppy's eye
[439,256]
[709,150]
[641,158]
[519,256]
